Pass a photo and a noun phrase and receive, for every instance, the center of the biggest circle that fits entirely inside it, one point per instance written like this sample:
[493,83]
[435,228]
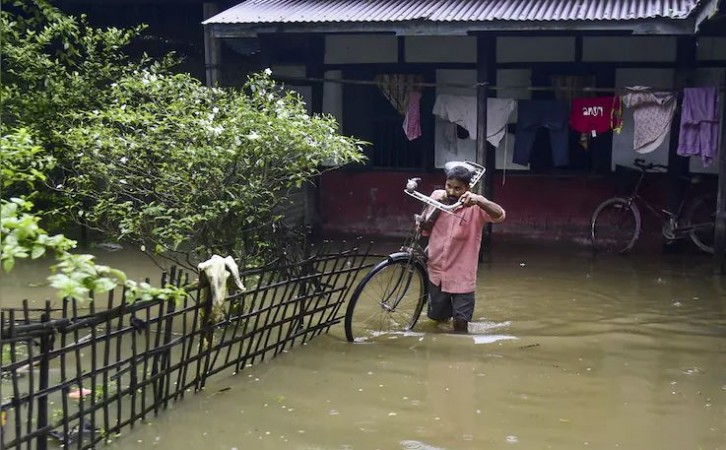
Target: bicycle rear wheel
[701,216]
[389,299]
[615,226]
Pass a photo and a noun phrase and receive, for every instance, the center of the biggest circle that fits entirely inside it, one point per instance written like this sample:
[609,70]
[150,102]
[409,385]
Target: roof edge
[660,26]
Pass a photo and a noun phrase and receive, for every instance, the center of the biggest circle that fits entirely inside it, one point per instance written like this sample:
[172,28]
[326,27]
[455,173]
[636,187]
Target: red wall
[538,206]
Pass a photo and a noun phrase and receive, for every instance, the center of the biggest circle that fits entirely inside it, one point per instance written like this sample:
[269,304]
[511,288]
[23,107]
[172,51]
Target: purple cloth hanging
[699,123]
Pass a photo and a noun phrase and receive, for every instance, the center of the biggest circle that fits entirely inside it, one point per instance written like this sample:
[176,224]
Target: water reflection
[567,352]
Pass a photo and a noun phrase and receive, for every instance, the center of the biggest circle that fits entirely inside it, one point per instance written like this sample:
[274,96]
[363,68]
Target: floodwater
[567,352]
[28,279]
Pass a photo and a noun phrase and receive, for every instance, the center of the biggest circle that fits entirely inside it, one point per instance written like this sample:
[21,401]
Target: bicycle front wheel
[615,226]
[701,218]
[388,300]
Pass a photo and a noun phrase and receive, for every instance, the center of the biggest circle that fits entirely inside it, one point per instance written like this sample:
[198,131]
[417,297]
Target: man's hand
[495,211]
[469,198]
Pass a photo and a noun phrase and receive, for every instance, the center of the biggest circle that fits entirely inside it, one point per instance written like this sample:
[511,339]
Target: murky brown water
[568,352]
[28,279]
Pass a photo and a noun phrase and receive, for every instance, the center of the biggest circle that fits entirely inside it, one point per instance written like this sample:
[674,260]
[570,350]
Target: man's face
[454,188]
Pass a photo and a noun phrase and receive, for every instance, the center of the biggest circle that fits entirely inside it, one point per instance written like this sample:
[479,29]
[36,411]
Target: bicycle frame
[670,219]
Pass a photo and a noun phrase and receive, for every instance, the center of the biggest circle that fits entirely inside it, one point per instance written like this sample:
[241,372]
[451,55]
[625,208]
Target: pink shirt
[454,248]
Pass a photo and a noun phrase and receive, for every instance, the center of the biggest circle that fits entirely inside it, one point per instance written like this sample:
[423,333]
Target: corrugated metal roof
[321,11]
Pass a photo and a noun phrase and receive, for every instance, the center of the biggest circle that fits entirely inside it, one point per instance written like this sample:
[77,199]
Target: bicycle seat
[649,167]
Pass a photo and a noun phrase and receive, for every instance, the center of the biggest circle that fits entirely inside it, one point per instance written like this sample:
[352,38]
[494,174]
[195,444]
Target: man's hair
[458,171]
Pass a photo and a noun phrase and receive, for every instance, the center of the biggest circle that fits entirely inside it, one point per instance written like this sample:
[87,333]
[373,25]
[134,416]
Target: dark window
[369,114]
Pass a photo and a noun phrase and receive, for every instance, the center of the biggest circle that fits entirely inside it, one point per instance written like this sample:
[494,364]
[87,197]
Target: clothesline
[653,114]
[477,85]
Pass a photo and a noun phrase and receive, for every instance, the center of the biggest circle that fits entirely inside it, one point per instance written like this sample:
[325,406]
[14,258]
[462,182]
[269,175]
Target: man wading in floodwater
[454,243]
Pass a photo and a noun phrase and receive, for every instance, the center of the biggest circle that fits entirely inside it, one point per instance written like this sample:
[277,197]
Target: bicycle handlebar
[640,163]
[412,185]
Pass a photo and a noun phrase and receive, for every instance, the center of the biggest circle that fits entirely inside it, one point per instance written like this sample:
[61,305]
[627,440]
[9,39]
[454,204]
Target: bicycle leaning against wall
[616,223]
[391,297]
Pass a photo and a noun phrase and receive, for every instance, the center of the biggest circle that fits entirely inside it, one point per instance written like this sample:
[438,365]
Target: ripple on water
[418,445]
[492,338]
[482,326]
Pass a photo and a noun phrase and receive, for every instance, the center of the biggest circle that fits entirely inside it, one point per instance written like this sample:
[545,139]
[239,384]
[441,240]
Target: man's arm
[425,220]
[495,211]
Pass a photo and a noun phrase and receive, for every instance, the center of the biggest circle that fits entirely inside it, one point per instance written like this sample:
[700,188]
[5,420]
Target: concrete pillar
[485,154]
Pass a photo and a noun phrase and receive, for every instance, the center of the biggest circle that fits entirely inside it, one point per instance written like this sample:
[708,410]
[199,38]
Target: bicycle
[391,297]
[616,223]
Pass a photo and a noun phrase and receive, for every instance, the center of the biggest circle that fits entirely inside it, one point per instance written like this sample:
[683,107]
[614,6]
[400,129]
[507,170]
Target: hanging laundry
[699,123]
[652,116]
[396,87]
[462,110]
[534,114]
[450,137]
[499,110]
[616,115]
[412,121]
[591,116]
[595,115]
[458,109]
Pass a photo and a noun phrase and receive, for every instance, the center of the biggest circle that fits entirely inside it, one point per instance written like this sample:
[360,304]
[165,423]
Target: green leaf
[103,285]
[8,264]
[37,252]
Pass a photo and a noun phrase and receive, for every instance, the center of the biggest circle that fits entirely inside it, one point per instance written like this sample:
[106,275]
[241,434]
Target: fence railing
[77,375]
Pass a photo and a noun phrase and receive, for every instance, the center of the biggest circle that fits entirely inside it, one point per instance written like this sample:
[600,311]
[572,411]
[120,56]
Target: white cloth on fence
[217,271]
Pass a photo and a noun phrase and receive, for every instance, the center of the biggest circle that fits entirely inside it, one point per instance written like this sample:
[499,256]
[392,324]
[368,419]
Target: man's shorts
[443,306]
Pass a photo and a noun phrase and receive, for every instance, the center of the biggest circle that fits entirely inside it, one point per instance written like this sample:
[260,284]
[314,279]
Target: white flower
[216,130]
[124,160]
[268,71]
[215,110]
[253,136]
[123,107]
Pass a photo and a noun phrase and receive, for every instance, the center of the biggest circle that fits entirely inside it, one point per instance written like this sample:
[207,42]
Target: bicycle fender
[398,256]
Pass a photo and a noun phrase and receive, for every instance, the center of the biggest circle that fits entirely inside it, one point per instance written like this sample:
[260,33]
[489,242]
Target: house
[476,49]
[358,59]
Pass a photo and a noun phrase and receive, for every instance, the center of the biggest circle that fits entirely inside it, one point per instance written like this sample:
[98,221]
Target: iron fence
[76,375]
